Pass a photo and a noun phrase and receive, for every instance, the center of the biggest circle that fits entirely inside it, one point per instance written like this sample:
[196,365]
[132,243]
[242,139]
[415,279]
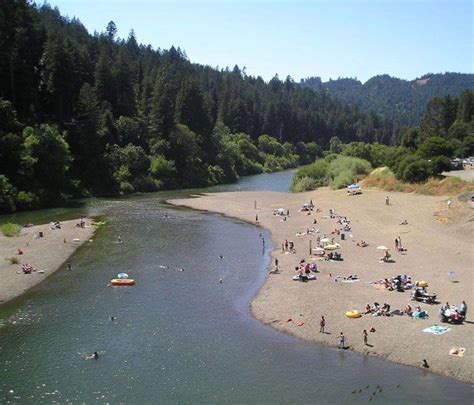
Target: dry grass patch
[384,179]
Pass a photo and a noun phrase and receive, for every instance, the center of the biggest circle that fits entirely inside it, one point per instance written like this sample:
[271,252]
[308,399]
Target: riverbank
[46,254]
[438,239]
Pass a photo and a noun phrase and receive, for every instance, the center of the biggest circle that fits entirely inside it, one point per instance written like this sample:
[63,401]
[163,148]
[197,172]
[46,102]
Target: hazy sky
[326,38]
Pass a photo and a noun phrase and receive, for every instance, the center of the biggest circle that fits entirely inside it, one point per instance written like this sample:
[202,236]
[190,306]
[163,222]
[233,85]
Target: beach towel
[379,286]
[349,281]
[457,351]
[437,330]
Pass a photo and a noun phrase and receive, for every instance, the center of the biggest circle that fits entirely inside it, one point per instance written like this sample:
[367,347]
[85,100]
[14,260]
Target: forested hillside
[85,114]
[446,130]
[399,100]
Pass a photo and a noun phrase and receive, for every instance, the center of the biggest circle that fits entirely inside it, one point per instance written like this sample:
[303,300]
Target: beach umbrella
[382,247]
[331,247]
[451,275]
[325,240]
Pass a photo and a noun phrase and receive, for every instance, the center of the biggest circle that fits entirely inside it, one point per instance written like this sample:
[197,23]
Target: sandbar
[439,240]
[46,254]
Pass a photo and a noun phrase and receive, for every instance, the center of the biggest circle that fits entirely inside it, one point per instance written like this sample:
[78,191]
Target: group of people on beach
[451,314]
[377,310]
[416,313]
[55,225]
[398,283]
[288,246]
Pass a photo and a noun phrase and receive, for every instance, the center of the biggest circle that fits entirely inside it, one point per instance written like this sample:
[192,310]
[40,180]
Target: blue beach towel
[436,330]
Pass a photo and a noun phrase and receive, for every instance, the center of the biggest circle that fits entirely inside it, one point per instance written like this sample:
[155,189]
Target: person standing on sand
[69,267]
[365,337]
[396,244]
[322,324]
[387,201]
[256,218]
[342,341]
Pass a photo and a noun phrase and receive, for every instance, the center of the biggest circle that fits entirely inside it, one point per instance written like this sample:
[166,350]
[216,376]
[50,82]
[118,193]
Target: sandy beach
[438,240]
[46,254]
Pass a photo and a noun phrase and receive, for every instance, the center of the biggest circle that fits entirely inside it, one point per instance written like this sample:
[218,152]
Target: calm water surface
[179,337]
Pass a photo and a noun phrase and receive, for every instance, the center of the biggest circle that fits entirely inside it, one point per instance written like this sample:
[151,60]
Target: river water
[179,336]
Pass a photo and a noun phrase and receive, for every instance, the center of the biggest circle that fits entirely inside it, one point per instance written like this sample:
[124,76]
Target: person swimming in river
[93,356]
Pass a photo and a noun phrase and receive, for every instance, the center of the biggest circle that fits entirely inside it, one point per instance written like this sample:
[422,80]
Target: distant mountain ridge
[396,99]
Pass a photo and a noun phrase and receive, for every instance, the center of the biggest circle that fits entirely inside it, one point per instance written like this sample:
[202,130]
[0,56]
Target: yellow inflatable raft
[122,281]
[353,314]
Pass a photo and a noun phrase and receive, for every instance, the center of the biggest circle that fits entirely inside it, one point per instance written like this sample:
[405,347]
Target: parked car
[468,161]
[456,164]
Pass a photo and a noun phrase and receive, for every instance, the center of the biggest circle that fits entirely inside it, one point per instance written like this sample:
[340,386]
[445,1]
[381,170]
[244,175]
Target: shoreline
[46,254]
[397,338]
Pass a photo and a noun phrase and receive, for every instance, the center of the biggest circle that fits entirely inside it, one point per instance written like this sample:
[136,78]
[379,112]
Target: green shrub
[354,165]
[26,200]
[343,179]
[415,172]
[10,229]
[338,173]
[439,164]
[317,170]
[13,260]
[305,184]
[7,195]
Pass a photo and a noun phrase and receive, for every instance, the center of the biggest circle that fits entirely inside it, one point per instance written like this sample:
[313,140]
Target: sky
[325,38]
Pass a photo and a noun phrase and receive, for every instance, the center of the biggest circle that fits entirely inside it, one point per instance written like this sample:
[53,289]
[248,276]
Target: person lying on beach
[405,222]
[375,308]
[275,270]
[368,309]
[351,277]
[408,310]
[362,243]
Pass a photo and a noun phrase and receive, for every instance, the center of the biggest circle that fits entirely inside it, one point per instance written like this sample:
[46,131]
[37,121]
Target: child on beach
[342,341]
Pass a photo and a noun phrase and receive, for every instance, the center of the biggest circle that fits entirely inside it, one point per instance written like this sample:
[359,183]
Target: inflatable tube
[122,281]
[353,314]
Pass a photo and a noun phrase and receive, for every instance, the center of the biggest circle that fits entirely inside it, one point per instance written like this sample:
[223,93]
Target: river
[179,336]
